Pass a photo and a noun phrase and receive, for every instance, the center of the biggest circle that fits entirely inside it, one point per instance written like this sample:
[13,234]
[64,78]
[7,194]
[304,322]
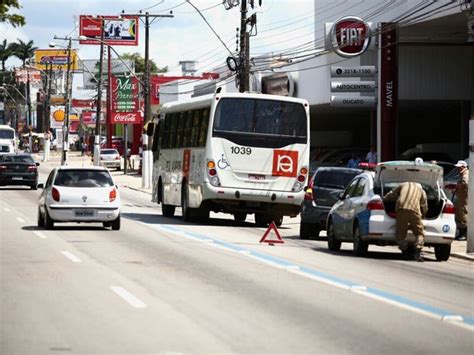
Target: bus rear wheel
[240,217]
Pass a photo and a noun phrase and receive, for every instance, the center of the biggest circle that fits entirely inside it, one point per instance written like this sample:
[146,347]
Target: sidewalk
[134,181]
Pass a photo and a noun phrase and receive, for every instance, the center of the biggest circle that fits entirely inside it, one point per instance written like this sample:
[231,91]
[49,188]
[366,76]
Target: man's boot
[462,235]
[417,256]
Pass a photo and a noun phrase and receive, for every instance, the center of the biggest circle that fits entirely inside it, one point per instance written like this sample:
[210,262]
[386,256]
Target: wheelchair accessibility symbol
[222,163]
[446,228]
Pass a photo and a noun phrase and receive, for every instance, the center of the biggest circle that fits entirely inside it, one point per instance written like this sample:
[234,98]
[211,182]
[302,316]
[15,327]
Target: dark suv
[319,198]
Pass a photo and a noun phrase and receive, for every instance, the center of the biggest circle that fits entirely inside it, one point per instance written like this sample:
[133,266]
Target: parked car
[360,216]
[319,198]
[73,194]
[110,158]
[18,169]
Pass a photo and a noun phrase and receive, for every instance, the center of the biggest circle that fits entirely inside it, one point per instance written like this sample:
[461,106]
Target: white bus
[7,140]
[237,153]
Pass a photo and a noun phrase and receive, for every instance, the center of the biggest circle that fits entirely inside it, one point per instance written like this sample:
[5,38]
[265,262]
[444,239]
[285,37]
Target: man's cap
[461,163]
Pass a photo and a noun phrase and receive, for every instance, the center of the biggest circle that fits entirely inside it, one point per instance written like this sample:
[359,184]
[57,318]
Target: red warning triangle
[271,227]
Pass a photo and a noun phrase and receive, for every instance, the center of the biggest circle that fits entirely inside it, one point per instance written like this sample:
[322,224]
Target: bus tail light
[55,194]
[212,173]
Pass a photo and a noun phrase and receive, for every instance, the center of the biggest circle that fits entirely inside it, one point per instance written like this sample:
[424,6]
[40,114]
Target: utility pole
[244,49]
[67,105]
[99,99]
[147,158]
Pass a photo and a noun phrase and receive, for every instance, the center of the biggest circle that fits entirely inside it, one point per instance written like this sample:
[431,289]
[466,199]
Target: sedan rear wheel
[40,219]
[442,252]
[333,243]
[48,221]
[360,246]
[116,224]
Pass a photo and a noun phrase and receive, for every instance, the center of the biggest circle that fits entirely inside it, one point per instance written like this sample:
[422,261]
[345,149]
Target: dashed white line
[71,257]
[21,220]
[128,297]
[6,209]
[40,234]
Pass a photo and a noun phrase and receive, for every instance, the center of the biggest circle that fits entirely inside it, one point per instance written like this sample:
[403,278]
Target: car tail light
[55,194]
[375,205]
[32,168]
[308,196]
[117,157]
[448,208]
[3,168]
[112,195]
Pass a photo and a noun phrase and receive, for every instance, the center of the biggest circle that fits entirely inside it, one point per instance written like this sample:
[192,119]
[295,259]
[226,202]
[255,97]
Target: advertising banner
[88,118]
[57,115]
[122,31]
[125,100]
[21,75]
[56,57]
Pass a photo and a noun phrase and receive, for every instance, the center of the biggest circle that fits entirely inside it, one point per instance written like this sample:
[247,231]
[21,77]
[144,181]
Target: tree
[6,51]
[140,63]
[13,19]
[24,50]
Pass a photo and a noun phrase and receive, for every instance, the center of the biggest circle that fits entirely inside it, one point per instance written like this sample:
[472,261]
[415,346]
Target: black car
[319,198]
[18,169]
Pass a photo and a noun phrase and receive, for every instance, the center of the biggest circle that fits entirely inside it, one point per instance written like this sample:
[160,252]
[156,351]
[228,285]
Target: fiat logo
[350,36]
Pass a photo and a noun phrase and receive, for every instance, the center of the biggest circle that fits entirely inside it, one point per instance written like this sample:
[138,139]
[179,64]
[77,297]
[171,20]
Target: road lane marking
[21,220]
[128,297]
[6,209]
[40,234]
[71,257]
[355,288]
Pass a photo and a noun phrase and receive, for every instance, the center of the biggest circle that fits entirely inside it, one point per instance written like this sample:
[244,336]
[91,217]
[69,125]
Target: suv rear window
[334,179]
[83,178]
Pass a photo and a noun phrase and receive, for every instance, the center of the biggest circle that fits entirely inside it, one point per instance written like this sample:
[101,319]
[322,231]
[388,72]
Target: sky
[281,24]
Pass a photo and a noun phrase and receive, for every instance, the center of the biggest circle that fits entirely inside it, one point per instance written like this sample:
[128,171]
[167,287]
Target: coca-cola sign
[126,117]
[350,36]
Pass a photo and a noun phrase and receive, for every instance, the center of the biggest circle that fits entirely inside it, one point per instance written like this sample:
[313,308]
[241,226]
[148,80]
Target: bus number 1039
[241,150]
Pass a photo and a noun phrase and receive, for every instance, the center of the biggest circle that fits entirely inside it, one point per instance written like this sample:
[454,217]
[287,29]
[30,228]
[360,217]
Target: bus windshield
[260,123]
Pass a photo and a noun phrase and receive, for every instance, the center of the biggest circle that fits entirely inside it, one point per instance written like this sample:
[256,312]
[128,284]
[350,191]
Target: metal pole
[109,98]
[67,105]
[125,157]
[99,99]
[243,85]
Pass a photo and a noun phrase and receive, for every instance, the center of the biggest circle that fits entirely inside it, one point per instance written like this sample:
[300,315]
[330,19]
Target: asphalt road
[161,286]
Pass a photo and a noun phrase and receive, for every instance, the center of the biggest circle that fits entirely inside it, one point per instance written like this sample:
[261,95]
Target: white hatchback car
[360,216]
[74,194]
[110,158]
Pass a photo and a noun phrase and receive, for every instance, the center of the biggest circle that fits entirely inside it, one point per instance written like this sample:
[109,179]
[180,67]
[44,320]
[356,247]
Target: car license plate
[84,213]
[256,177]
[17,178]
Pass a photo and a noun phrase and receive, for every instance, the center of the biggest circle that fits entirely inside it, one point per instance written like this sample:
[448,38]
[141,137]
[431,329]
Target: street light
[67,101]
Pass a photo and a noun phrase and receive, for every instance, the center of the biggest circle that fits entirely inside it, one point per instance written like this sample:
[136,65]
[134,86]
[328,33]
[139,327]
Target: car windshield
[83,178]
[108,151]
[7,134]
[334,178]
[16,159]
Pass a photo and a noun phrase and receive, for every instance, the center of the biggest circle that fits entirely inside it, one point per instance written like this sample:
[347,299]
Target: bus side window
[203,127]
[195,130]
[156,140]
[166,133]
[173,126]
[180,129]
[187,129]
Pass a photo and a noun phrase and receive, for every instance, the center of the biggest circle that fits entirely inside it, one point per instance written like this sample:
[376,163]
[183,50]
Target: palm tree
[6,51]
[24,50]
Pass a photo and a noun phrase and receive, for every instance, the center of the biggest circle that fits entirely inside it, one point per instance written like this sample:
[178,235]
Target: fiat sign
[350,36]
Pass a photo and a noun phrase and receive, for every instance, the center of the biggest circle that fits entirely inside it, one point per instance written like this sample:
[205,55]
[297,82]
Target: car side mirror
[37,164]
[40,185]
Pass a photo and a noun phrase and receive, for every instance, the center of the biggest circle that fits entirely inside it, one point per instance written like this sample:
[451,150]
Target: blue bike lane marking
[314,274]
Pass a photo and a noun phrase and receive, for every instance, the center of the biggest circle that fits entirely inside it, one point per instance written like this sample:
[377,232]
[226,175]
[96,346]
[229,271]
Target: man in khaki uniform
[411,206]
[461,200]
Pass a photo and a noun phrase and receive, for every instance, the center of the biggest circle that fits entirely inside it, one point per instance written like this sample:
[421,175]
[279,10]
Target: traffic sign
[350,72]
[272,227]
[353,101]
[353,86]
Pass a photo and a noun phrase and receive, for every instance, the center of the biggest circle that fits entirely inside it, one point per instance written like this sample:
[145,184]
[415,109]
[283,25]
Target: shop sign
[57,58]
[353,86]
[353,101]
[122,31]
[351,72]
[350,36]
[125,100]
